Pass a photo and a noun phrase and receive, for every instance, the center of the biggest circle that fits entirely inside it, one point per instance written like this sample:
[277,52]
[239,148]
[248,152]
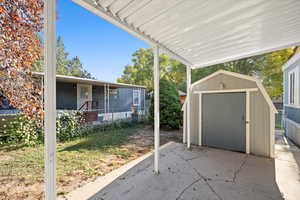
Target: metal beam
[188,86]
[50,100]
[156,107]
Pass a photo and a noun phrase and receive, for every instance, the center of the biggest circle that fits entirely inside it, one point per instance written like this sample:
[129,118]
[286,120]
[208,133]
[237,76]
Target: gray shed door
[223,121]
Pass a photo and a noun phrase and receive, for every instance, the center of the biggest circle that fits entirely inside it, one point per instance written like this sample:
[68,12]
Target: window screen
[292,88]
[136,97]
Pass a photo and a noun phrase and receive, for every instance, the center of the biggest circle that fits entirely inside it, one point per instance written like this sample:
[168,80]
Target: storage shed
[231,111]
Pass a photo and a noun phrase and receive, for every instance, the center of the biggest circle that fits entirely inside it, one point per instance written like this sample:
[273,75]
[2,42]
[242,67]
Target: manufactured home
[231,111]
[291,98]
[109,100]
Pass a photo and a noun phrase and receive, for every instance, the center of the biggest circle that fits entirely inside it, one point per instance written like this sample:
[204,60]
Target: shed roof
[73,79]
[291,61]
[201,33]
[241,76]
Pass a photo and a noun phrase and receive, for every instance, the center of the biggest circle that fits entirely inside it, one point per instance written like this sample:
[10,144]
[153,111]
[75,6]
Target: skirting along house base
[291,98]
[231,111]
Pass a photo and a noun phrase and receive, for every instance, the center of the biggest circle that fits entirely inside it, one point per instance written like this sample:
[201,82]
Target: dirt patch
[78,162]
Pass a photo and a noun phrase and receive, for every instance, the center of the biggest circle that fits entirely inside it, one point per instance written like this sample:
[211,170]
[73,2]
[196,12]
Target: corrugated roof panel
[201,32]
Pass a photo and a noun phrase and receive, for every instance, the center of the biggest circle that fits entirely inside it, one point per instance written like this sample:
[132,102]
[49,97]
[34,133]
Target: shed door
[223,121]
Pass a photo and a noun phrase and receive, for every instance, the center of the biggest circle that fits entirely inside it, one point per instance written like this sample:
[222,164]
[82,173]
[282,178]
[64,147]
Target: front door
[223,121]
[84,94]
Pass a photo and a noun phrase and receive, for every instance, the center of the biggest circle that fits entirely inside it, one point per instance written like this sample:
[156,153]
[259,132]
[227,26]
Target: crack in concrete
[239,169]
[193,158]
[201,177]
[207,183]
[186,188]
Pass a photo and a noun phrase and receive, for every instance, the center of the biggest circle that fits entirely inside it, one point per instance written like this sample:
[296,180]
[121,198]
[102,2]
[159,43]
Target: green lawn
[21,169]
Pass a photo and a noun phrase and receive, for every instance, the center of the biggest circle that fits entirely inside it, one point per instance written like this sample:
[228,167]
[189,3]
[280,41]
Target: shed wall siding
[259,111]
[259,125]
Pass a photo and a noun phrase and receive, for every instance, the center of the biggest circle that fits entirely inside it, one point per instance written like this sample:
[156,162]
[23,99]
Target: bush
[170,108]
[69,125]
[29,132]
[21,130]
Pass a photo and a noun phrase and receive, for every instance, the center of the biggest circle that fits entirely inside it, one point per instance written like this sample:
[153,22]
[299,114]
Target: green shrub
[29,132]
[69,126]
[20,130]
[169,107]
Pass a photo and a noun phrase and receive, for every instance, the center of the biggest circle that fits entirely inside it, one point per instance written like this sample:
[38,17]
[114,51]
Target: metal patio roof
[201,33]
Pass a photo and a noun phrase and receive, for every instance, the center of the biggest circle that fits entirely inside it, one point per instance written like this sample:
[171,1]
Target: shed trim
[200,120]
[291,61]
[241,76]
[248,121]
[226,91]
[272,134]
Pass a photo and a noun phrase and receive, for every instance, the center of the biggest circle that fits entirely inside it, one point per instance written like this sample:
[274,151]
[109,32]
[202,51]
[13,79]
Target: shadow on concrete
[287,165]
[202,173]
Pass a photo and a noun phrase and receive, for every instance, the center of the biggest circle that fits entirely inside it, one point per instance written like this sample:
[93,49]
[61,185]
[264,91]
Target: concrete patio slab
[202,173]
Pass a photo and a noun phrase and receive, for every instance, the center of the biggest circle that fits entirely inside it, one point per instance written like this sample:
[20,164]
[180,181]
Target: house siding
[291,112]
[120,102]
[98,96]
[66,96]
[123,101]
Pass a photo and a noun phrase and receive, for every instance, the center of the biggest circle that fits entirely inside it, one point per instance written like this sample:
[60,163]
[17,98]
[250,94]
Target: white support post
[144,111]
[184,125]
[156,107]
[200,121]
[50,100]
[188,85]
[108,110]
[104,100]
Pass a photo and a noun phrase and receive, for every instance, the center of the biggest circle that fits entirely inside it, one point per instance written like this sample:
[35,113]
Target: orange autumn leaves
[20,47]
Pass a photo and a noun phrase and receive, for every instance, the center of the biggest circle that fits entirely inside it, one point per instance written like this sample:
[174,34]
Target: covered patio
[197,33]
[202,173]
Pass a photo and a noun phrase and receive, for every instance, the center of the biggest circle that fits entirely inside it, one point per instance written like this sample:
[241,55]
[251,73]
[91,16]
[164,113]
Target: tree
[169,105]
[64,65]
[272,70]
[267,67]
[20,47]
[141,71]
[75,68]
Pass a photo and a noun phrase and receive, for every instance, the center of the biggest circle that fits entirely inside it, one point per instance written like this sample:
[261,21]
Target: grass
[21,169]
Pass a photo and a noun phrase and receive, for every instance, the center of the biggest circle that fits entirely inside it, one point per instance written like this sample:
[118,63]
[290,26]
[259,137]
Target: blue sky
[103,48]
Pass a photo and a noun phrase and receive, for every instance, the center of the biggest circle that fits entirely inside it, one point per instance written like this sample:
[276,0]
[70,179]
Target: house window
[84,92]
[136,97]
[292,88]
